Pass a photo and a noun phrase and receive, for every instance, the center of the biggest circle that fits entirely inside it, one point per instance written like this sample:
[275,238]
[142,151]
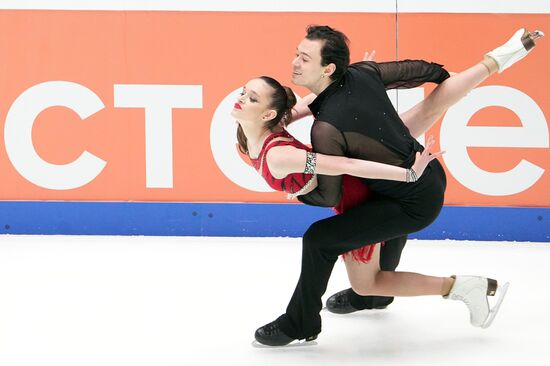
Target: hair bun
[290,98]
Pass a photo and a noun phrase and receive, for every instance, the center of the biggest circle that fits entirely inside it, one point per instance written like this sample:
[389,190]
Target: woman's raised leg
[424,114]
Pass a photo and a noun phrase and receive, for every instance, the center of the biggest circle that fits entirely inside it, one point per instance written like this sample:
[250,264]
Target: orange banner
[134,106]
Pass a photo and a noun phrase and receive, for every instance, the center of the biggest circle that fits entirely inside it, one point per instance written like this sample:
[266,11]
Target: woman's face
[253,102]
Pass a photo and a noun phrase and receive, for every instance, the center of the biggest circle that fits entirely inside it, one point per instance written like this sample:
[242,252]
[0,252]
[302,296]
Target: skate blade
[294,344]
[494,310]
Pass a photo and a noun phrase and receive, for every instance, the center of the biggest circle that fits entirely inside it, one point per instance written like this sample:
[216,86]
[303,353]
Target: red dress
[294,183]
[354,192]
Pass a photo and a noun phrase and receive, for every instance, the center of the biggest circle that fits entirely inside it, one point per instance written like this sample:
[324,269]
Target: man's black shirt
[354,117]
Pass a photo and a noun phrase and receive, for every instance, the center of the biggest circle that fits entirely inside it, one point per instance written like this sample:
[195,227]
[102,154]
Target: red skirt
[354,193]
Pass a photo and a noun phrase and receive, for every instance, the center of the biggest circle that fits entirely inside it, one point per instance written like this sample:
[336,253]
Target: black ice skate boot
[272,335]
[340,303]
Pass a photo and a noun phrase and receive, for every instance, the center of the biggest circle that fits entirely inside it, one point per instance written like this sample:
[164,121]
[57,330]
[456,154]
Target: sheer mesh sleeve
[406,74]
[328,140]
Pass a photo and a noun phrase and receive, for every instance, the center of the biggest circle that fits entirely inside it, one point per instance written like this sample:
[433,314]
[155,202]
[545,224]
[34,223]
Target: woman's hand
[423,158]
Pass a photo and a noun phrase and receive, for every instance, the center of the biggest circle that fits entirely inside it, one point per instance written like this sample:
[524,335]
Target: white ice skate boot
[517,47]
[473,291]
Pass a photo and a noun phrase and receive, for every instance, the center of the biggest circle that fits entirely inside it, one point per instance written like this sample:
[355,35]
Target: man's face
[306,65]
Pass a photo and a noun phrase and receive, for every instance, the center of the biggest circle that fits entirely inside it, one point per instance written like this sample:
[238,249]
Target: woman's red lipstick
[237,106]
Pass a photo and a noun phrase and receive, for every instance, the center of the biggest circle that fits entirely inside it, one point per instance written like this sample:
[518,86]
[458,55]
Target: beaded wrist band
[411,176]
[311,161]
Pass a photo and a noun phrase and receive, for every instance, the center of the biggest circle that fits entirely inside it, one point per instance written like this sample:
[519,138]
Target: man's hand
[369,56]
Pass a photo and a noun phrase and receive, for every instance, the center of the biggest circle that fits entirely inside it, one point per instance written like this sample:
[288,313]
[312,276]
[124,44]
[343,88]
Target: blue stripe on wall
[234,219]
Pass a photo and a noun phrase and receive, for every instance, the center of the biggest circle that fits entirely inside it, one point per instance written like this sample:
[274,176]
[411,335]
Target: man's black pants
[410,208]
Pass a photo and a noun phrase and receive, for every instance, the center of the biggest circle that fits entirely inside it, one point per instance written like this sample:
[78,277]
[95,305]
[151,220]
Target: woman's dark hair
[282,101]
[335,49]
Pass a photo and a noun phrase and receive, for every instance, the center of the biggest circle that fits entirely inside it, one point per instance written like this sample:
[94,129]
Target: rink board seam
[249,219]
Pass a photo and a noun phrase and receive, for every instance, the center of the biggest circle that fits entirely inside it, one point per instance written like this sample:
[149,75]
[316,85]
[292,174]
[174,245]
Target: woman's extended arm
[284,160]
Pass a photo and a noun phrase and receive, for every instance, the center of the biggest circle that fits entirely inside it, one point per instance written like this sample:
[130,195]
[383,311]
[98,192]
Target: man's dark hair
[335,48]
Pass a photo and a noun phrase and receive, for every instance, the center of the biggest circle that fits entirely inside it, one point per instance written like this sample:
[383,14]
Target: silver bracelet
[311,161]
[411,176]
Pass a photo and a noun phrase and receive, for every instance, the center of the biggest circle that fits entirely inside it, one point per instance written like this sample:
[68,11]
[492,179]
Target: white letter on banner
[18,135]
[223,142]
[457,136]
[158,102]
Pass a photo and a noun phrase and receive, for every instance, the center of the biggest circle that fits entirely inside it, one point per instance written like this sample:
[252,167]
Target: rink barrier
[251,220]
